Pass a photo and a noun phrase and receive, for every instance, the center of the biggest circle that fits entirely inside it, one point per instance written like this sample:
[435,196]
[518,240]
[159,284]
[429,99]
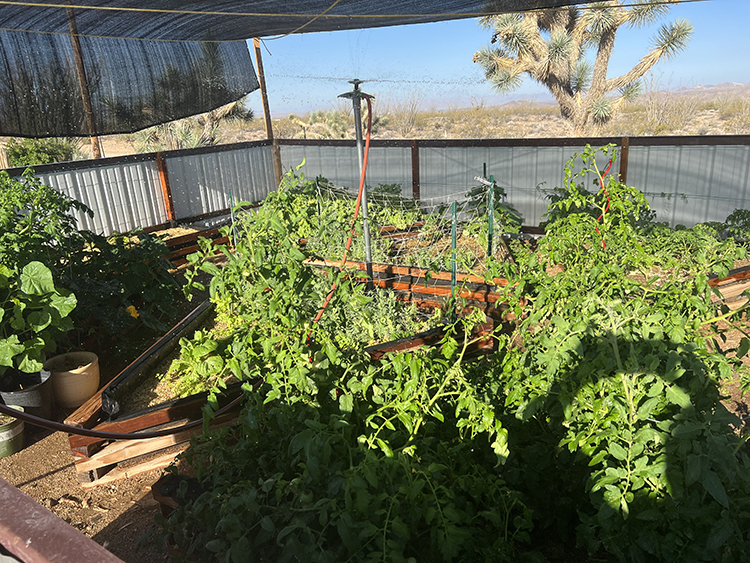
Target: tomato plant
[598,422]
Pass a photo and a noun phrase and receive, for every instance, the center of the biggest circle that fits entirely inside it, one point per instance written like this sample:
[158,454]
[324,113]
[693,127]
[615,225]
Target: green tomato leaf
[677,396]
[713,485]
[346,403]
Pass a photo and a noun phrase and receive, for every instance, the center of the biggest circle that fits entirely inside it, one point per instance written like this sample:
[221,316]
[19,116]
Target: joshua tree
[551,47]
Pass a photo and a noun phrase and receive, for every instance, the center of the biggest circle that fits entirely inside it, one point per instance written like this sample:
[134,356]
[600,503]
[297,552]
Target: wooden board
[410,271]
[188,408]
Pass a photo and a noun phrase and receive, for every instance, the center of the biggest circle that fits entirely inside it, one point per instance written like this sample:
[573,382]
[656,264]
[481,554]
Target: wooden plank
[179,409]
[117,473]
[33,534]
[407,271]
[123,451]
[184,251]
[192,237]
[740,274]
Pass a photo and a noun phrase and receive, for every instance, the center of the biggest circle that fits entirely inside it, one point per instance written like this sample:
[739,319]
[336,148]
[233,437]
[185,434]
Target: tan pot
[75,377]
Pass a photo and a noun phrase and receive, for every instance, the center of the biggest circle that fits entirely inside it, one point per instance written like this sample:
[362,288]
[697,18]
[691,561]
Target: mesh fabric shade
[151,62]
[228,20]
[132,84]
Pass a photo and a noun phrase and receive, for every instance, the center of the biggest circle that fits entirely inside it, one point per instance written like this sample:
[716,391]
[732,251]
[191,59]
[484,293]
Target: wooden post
[415,170]
[624,150]
[161,165]
[267,113]
[86,97]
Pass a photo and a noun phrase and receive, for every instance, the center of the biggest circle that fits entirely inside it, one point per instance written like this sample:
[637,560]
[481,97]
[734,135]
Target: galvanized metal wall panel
[692,184]
[201,183]
[385,165]
[447,173]
[122,196]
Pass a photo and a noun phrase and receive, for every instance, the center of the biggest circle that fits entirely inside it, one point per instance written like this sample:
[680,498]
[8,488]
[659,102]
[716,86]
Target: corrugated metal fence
[687,179]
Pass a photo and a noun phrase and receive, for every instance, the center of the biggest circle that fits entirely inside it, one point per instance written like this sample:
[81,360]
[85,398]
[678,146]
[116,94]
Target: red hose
[356,211]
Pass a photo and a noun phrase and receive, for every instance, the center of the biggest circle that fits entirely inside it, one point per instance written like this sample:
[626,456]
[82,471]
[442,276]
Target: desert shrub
[28,152]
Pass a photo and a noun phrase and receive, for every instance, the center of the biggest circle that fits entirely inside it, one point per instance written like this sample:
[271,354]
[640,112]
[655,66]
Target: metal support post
[356,96]
[490,215]
[454,228]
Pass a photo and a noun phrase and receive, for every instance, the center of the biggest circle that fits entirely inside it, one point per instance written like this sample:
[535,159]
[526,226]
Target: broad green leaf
[36,279]
[64,302]
[39,320]
[9,348]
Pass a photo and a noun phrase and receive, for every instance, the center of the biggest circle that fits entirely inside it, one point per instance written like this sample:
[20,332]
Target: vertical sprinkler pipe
[356,96]
[490,216]
[454,225]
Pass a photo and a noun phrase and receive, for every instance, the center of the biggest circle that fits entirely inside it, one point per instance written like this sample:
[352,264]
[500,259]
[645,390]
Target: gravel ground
[115,515]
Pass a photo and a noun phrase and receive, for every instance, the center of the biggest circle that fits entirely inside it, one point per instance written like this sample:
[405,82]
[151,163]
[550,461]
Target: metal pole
[356,96]
[454,225]
[490,216]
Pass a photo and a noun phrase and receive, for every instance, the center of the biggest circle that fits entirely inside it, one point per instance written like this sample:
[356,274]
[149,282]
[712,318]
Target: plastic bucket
[32,391]
[75,377]
[11,436]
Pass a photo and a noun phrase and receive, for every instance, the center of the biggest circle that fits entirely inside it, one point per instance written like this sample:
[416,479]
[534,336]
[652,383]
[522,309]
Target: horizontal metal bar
[33,534]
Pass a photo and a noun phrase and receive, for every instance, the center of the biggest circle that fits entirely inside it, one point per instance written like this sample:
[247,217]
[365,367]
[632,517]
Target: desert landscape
[722,109]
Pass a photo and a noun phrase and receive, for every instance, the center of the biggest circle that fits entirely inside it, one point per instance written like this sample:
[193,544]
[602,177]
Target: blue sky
[307,71]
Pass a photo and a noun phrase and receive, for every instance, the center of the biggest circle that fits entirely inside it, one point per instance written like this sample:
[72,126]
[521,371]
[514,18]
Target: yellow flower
[133,311]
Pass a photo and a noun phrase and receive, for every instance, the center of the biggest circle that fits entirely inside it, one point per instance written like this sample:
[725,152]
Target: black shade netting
[241,19]
[131,84]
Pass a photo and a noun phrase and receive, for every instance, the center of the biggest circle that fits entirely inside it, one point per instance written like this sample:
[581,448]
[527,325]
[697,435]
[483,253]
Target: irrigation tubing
[356,212]
[59,426]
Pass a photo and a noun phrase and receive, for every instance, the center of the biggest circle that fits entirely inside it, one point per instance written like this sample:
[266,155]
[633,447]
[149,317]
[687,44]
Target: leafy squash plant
[109,274]
[33,314]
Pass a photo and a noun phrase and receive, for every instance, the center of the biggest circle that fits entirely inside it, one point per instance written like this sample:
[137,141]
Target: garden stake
[231,214]
[354,220]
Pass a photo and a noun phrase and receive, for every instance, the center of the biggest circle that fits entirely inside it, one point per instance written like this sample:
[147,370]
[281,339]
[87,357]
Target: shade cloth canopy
[141,62]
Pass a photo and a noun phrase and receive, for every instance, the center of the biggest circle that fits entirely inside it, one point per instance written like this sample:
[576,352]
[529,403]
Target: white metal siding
[122,196]
[201,183]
